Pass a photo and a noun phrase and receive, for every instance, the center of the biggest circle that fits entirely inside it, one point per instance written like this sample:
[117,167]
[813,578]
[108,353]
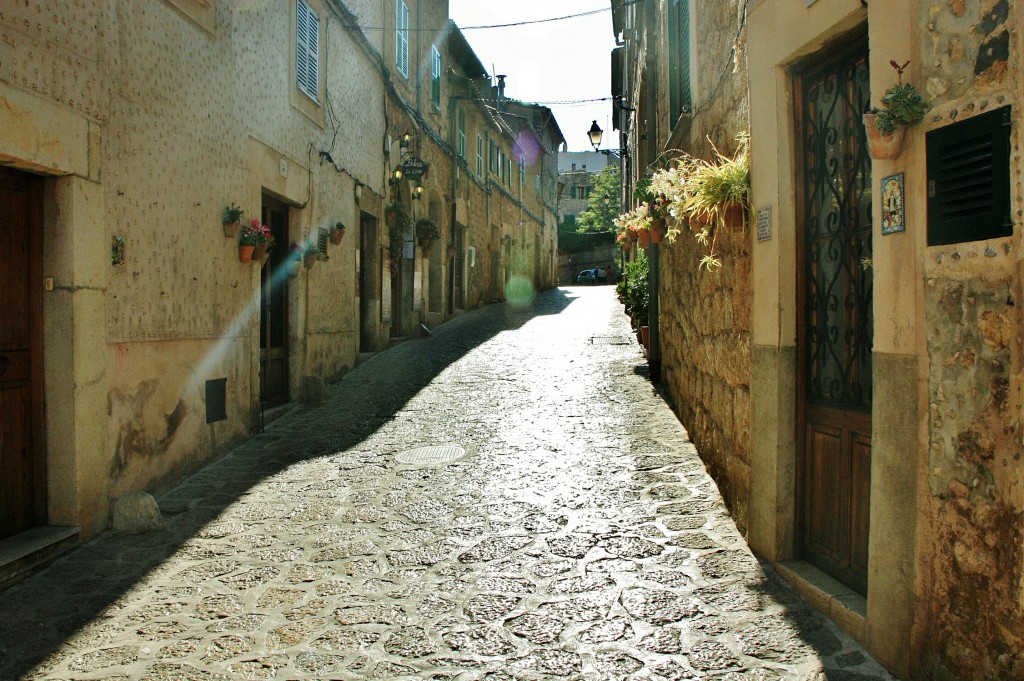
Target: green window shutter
[462,133]
[435,78]
[680,97]
[479,156]
[307,49]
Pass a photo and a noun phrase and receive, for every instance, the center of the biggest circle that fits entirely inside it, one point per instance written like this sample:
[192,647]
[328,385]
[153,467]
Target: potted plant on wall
[902,105]
[337,232]
[427,233]
[231,219]
[253,235]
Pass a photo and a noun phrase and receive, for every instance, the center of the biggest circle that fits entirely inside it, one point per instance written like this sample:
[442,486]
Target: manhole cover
[609,340]
[430,455]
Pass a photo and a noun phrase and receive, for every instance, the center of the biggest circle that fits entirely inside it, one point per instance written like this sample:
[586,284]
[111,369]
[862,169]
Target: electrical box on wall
[472,256]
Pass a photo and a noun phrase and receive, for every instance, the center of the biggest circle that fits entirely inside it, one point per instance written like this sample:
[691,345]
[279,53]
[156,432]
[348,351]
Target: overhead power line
[513,24]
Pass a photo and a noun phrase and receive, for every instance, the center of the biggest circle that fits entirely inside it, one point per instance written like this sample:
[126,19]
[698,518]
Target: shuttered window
[479,156]
[402,37]
[969,179]
[435,79]
[307,49]
[680,97]
[462,133]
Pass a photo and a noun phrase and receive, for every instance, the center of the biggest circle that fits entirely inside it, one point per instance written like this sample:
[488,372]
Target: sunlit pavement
[507,499]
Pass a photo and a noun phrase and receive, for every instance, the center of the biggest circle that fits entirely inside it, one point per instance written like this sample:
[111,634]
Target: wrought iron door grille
[837,230]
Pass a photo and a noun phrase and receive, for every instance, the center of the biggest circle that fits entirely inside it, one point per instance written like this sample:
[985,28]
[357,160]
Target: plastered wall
[173,110]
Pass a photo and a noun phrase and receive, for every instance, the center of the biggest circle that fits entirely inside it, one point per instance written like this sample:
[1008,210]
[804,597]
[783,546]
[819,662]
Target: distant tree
[603,205]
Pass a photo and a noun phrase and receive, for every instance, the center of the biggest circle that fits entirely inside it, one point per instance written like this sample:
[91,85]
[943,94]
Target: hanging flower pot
[644,236]
[659,228]
[232,218]
[735,217]
[259,253]
[245,252]
[882,147]
[337,233]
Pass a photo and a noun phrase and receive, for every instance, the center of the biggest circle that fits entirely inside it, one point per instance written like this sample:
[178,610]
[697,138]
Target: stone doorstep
[844,606]
[26,552]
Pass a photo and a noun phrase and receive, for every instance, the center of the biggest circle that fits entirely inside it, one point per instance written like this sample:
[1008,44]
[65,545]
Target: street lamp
[595,133]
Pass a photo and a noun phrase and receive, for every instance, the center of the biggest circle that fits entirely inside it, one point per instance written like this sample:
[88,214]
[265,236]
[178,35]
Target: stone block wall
[705,314]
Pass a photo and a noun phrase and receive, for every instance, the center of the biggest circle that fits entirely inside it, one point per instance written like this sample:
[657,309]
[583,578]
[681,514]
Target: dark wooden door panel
[22,454]
[860,510]
[274,308]
[824,499]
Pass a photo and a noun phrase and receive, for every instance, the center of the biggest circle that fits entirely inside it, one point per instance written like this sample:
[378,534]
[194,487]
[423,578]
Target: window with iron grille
[402,37]
[307,45]
[680,97]
[435,78]
[969,179]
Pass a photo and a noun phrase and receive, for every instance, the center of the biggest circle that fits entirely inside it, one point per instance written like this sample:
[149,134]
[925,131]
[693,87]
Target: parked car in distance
[587,277]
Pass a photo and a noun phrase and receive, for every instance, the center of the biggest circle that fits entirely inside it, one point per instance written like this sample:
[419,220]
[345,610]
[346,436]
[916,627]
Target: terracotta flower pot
[644,235]
[245,253]
[734,217]
[337,235]
[882,147]
[659,228]
[260,251]
[645,337]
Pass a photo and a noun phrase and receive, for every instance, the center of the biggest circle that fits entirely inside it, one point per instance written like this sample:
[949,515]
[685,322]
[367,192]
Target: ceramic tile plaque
[893,215]
[764,223]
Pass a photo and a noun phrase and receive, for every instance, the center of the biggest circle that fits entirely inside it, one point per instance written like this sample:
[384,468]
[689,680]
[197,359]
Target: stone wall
[971,543]
[705,314]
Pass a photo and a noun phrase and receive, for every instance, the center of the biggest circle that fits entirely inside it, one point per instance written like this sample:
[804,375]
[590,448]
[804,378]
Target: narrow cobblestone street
[507,499]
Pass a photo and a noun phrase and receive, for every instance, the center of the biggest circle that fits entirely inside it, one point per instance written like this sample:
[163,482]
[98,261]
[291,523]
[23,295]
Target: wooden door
[22,454]
[834,301]
[369,283]
[274,308]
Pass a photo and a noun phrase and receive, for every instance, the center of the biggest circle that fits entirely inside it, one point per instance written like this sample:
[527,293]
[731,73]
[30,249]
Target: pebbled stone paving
[574,534]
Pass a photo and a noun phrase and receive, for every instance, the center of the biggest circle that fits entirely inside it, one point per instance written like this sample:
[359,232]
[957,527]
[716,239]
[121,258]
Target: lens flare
[519,291]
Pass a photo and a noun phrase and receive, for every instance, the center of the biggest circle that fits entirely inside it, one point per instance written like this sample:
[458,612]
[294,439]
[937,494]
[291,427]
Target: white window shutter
[307,49]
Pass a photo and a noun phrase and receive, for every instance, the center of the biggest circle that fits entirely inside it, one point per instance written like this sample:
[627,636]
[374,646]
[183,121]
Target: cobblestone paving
[509,499]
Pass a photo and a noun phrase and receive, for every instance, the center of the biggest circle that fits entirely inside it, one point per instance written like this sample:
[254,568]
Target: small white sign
[764,223]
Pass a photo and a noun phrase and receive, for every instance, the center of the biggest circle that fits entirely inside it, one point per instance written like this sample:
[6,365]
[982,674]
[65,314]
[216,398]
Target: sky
[548,62]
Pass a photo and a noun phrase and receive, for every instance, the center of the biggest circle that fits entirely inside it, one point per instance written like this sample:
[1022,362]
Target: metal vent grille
[969,179]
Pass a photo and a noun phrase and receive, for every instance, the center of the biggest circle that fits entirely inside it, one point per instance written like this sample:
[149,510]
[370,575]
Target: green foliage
[427,230]
[603,205]
[397,216]
[901,105]
[637,288]
[579,242]
[232,214]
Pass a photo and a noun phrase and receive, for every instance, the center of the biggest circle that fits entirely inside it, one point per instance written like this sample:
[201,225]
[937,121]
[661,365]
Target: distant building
[576,173]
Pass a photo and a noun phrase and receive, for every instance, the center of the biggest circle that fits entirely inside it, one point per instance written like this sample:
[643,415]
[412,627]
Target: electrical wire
[513,24]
